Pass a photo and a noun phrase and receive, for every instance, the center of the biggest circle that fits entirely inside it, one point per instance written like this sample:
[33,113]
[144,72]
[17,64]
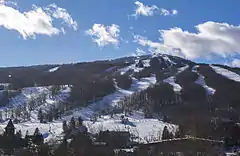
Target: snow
[226,73]
[111,100]
[53,130]
[110,69]
[182,69]
[53,69]
[31,93]
[172,80]
[200,81]
[144,130]
[146,63]
[5,84]
[167,59]
[134,67]
[26,95]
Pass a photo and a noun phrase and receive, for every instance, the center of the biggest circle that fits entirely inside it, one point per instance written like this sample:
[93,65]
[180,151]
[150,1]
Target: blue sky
[140,31]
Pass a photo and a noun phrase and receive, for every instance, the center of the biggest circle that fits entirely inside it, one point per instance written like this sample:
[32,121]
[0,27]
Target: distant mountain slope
[158,90]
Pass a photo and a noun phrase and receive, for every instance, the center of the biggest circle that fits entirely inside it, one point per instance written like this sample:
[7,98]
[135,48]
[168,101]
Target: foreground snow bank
[226,73]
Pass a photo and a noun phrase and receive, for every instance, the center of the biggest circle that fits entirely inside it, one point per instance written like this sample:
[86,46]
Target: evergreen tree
[27,134]
[19,134]
[40,116]
[36,132]
[72,123]
[165,134]
[80,121]
[1,117]
[50,115]
[65,127]
[38,137]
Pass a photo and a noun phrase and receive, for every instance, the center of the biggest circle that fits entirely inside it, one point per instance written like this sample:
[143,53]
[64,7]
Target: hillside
[150,92]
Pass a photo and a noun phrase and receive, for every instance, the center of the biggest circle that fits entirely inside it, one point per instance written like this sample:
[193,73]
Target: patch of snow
[182,69]
[110,69]
[226,73]
[172,80]
[146,63]
[200,81]
[53,69]
[168,59]
[5,84]
[131,67]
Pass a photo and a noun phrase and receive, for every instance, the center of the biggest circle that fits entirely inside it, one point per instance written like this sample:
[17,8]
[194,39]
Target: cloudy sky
[65,31]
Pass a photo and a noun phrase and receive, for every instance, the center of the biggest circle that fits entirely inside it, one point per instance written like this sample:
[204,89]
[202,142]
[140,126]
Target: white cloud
[174,12]
[236,63]
[157,47]
[61,13]
[212,39]
[104,35]
[36,21]
[139,52]
[145,10]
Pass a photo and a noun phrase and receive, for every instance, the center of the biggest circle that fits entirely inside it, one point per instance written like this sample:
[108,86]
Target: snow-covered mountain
[151,92]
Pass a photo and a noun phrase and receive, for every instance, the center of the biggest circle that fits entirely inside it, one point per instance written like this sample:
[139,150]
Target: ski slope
[53,69]
[226,73]
[200,81]
[32,93]
[172,80]
[167,59]
[134,68]
[110,101]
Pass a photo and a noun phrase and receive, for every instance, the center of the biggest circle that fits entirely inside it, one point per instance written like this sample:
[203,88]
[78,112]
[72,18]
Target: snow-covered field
[226,73]
[200,81]
[172,80]
[144,130]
